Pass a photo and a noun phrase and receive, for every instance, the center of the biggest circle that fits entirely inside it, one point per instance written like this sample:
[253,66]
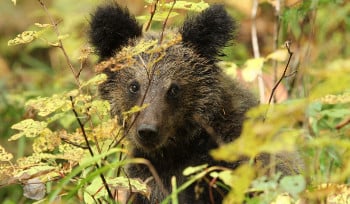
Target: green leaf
[194,169]
[293,184]
[28,128]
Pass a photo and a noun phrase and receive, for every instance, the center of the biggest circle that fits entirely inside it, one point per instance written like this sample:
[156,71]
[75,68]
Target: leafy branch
[60,43]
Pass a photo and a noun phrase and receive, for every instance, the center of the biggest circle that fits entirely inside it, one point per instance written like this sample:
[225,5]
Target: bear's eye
[134,87]
[173,91]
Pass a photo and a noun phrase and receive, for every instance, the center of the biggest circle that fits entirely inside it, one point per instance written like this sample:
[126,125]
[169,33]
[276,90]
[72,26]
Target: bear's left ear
[111,27]
[209,31]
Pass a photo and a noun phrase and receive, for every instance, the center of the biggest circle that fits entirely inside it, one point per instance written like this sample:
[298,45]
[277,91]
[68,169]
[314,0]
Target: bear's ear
[111,27]
[209,31]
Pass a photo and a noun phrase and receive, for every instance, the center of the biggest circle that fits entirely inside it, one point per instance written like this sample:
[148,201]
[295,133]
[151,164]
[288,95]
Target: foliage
[74,150]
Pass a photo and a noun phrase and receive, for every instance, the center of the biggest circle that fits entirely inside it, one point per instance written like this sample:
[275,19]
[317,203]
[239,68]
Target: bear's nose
[147,132]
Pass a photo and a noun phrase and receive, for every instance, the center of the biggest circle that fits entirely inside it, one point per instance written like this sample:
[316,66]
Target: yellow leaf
[62,37]
[252,68]
[28,128]
[48,105]
[45,25]
[96,80]
[229,68]
[279,55]
[242,176]
[14,2]
[135,109]
[4,156]
[23,38]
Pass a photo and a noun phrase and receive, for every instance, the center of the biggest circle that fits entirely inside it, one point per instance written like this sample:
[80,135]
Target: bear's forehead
[147,55]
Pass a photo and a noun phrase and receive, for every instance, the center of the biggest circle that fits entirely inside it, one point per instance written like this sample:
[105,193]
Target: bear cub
[188,105]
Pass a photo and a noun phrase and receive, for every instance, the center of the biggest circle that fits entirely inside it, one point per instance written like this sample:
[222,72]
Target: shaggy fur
[186,92]
[111,28]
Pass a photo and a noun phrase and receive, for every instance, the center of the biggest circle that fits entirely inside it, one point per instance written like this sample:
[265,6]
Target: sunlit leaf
[14,2]
[96,80]
[252,68]
[229,68]
[159,16]
[23,38]
[191,6]
[135,109]
[48,105]
[62,37]
[279,55]
[239,180]
[45,25]
[5,156]
[194,169]
[28,128]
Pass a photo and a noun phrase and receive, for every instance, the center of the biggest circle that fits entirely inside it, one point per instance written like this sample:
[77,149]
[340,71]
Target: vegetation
[58,141]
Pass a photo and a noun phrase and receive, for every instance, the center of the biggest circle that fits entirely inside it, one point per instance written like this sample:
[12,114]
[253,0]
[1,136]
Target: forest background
[293,54]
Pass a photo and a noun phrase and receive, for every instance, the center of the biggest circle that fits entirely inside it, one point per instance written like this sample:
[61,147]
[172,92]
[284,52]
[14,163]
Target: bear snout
[147,133]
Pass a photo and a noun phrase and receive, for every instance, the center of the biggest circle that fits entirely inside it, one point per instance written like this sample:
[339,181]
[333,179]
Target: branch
[81,125]
[165,22]
[287,44]
[60,44]
[153,11]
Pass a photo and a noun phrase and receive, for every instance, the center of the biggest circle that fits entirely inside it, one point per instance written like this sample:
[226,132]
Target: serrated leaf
[23,38]
[96,80]
[5,156]
[48,105]
[252,68]
[100,107]
[279,55]
[28,128]
[194,169]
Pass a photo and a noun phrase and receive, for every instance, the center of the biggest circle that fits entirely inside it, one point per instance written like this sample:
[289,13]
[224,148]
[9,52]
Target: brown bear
[189,105]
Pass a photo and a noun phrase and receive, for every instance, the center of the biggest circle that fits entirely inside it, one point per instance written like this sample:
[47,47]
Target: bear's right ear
[111,27]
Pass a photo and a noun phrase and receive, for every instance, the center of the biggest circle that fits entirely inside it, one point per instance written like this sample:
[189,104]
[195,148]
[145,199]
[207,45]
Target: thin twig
[256,51]
[165,22]
[275,36]
[287,44]
[60,41]
[81,125]
[72,143]
[153,11]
